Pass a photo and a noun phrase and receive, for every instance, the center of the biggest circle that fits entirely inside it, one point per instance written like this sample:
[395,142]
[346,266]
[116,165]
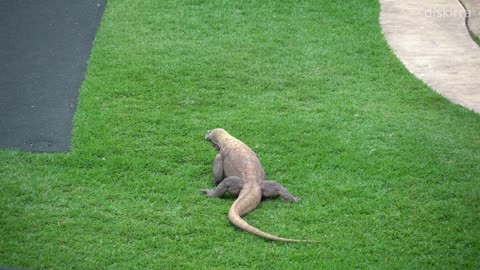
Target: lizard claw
[295,199]
[298,199]
[207,192]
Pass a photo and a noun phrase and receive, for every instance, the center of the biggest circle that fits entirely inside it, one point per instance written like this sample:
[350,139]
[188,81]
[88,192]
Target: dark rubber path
[44,50]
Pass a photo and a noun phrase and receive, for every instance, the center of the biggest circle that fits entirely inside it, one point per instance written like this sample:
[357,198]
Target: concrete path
[431,39]
[473,19]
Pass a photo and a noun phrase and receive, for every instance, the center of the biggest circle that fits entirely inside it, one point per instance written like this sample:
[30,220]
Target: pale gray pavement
[473,20]
[431,39]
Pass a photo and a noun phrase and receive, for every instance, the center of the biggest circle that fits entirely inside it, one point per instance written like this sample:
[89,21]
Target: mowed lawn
[389,171]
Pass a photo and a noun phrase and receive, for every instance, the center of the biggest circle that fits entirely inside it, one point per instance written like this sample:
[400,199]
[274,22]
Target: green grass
[389,170]
[474,37]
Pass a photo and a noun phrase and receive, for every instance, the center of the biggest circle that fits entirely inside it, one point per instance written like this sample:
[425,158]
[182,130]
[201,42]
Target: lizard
[238,171]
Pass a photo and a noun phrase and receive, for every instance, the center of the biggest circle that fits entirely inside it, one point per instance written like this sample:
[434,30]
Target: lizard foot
[207,192]
[293,199]
[298,199]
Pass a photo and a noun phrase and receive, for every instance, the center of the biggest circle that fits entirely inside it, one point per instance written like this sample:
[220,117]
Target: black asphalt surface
[44,50]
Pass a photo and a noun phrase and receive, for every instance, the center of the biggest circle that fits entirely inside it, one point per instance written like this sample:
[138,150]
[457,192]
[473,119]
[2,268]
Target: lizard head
[216,136]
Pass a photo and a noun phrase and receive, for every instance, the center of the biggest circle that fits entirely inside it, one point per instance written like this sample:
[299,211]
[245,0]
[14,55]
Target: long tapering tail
[236,220]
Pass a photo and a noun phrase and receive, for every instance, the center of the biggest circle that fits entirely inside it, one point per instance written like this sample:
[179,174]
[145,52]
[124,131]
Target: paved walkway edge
[44,50]
[431,39]
[473,18]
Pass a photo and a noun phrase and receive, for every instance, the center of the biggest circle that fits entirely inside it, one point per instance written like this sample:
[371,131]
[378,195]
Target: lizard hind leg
[274,189]
[231,184]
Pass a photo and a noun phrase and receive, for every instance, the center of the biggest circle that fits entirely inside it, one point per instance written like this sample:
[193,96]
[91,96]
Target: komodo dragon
[237,170]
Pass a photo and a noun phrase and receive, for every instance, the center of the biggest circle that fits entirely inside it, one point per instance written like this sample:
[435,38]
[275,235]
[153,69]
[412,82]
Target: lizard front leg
[217,169]
[231,184]
[274,189]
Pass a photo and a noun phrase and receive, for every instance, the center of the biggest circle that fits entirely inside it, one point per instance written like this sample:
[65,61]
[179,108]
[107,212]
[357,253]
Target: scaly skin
[237,170]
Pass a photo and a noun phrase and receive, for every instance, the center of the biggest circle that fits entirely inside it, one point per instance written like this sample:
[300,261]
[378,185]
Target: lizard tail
[236,220]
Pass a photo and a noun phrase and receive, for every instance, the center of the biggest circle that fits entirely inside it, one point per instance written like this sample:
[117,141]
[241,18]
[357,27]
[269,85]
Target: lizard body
[237,170]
